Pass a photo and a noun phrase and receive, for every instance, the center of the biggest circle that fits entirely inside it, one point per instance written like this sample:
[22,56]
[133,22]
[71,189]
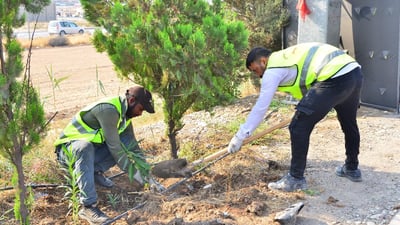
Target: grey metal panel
[376,45]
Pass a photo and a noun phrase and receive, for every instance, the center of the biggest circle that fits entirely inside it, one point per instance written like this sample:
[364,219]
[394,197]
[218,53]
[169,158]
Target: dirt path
[86,70]
[338,200]
[331,199]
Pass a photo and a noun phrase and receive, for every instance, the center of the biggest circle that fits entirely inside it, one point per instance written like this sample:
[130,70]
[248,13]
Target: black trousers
[343,95]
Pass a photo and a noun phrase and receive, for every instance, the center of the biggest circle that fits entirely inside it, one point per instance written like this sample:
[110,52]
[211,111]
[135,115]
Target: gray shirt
[106,117]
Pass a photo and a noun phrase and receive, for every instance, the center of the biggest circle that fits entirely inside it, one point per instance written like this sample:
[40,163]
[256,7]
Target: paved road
[26,34]
[41,33]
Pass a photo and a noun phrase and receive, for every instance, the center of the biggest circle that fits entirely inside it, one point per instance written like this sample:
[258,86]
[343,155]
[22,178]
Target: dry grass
[43,25]
[44,42]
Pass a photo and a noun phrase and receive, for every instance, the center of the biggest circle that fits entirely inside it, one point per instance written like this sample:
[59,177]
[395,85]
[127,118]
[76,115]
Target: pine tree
[187,51]
[265,19]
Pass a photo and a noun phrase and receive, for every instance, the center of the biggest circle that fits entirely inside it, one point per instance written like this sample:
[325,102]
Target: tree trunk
[172,139]
[21,189]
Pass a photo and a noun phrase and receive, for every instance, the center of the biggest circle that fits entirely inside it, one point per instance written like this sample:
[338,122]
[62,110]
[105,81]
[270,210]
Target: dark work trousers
[342,94]
[90,158]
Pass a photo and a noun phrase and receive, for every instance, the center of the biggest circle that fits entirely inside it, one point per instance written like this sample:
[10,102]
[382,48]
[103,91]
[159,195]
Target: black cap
[143,96]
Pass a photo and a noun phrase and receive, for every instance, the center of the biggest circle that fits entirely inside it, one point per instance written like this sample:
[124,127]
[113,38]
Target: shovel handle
[245,141]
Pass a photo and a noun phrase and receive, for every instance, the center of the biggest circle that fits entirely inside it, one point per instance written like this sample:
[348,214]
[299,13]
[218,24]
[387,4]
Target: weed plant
[55,83]
[113,199]
[136,161]
[99,84]
[72,189]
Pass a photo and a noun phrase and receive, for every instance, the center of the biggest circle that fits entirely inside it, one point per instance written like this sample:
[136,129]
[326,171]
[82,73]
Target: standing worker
[322,77]
[97,137]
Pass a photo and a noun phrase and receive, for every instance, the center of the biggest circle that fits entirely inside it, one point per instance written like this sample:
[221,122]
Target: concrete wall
[339,30]
[47,14]
[323,24]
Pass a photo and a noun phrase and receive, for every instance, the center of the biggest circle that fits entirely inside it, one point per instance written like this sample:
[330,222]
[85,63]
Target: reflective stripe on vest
[327,59]
[305,69]
[77,129]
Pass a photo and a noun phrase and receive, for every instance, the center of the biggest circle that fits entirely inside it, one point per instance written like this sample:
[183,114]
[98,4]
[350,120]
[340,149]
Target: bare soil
[233,190]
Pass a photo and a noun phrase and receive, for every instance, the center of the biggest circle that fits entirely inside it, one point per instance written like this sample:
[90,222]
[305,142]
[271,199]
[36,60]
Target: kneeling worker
[99,137]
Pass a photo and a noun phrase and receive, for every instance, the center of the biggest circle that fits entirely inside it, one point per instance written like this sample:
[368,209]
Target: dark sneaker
[289,184]
[102,180]
[93,215]
[353,175]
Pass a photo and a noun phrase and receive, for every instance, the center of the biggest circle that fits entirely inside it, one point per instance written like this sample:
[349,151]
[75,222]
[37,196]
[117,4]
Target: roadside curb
[395,220]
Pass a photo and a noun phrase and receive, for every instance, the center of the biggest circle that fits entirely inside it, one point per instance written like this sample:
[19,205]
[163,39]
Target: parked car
[62,27]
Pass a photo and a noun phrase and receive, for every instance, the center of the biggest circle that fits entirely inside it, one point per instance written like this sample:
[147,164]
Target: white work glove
[138,177]
[235,144]
[237,141]
[154,185]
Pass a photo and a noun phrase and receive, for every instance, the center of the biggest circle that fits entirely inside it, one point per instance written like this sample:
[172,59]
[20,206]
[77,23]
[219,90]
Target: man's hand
[235,144]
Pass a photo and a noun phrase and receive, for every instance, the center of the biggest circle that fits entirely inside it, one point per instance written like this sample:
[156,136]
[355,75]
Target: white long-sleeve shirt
[272,78]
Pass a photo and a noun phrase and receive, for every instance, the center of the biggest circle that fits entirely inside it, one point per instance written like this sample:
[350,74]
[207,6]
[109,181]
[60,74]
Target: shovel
[246,141]
[178,168]
[213,158]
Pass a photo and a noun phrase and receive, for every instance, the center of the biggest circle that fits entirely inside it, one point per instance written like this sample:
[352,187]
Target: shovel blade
[174,168]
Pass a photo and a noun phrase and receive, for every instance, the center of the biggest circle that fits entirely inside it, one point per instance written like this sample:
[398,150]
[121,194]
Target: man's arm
[269,85]
[108,118]
[270,82]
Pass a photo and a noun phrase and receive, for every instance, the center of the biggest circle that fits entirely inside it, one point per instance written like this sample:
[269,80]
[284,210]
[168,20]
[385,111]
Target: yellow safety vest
[313,61]
[77,129]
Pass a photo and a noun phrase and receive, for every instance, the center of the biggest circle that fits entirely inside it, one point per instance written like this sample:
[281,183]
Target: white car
[62,27]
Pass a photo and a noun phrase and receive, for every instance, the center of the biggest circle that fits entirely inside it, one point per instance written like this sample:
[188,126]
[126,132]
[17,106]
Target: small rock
[207,186]
[132,218]
[256,208]
[332,200]
[376,216]
[176,221]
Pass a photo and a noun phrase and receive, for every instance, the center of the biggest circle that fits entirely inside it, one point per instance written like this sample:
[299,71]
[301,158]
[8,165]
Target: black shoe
[93,215]
[353,175]
[102,180]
